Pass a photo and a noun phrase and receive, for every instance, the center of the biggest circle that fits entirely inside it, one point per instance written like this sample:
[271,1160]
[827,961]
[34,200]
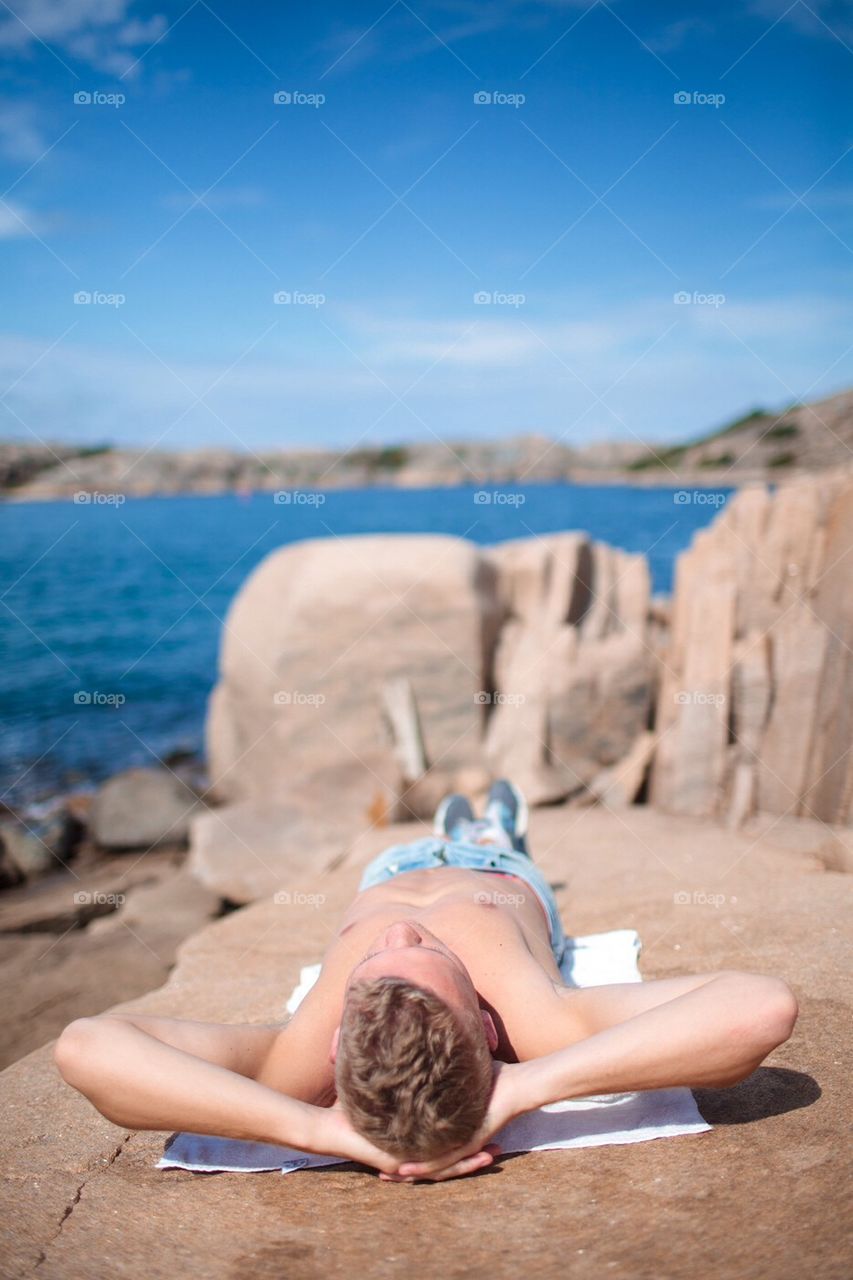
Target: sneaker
[506,807]
[452,811]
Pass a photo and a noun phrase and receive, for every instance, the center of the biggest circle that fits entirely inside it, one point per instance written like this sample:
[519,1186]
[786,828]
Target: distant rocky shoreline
[762,446]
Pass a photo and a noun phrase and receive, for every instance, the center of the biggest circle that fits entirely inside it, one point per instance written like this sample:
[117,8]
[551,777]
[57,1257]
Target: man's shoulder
[299,1062]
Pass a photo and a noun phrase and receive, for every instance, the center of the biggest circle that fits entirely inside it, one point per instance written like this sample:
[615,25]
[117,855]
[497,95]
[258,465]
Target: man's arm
[160,1073]
[711,1031]
[708,1031]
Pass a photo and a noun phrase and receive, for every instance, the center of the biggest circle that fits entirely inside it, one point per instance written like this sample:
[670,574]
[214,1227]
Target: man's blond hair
[414,1075]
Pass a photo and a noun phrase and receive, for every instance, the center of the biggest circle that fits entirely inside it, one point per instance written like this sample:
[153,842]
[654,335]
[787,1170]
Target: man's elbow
[766,1012]
[776,1012]
[75,1051]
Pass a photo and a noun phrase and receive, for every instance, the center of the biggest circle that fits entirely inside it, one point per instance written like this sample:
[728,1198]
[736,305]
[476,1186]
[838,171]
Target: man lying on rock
[440,1013]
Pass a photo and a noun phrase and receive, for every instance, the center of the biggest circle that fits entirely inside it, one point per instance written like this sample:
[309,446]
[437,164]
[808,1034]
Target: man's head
[412,1055]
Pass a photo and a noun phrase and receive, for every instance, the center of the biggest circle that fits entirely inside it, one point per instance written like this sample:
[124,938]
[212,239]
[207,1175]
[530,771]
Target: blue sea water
[104,602]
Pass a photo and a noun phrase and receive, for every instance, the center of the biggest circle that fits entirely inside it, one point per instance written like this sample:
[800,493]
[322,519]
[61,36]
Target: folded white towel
[596,960]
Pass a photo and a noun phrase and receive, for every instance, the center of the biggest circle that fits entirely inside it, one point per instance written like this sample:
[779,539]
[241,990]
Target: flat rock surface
[756,1197]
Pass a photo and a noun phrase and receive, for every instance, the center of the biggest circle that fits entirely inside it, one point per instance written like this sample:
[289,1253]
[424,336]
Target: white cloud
[675,34]
[17,221]
[663,370]
[21,138]
[100,33]
[823,18]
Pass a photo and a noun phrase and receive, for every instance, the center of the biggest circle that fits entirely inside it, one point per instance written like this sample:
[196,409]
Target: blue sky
[383,198]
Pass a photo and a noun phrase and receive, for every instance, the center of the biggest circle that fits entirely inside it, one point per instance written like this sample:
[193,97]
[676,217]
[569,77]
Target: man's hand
[504,1104]
[337,1137]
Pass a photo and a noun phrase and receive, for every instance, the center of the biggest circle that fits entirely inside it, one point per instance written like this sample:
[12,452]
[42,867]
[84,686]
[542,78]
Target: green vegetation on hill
[389,458]
[752,419]
[783,431]
[658,458]
[764,423]
[94,450]
[718,460]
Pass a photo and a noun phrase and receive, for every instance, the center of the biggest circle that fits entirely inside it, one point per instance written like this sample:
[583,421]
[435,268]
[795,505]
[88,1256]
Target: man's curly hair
[413,1075]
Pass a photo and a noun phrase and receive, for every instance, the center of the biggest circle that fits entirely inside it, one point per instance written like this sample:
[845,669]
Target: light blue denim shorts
[431,852]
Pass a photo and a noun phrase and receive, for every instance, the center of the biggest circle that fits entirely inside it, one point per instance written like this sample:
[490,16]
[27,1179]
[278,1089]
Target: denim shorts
[431,852]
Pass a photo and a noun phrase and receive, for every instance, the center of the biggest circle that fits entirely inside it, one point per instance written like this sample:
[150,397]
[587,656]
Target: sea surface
[112,612]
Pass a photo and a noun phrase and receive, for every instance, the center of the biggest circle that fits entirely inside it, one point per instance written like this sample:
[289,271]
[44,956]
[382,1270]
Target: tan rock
[755,1197]
[141,809]
[573,670]
[798,643]
[693,708]
[246,851]
[762,620]
[311,639]
[620,785]
[829,790]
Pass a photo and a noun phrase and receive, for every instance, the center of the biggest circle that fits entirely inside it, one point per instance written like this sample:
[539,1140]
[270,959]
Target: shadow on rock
[769,1091]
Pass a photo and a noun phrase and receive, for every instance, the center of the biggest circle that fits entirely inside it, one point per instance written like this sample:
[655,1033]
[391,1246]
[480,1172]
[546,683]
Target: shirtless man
[440,1013]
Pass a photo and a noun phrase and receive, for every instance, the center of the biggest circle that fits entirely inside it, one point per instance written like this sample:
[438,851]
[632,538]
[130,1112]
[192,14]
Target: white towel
[594,961]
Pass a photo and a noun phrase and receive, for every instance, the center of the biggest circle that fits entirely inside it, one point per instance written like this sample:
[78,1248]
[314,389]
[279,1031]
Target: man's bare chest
[479,915]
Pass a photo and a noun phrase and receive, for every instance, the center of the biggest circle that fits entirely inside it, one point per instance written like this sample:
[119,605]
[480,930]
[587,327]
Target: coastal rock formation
[246,850]
[574,673]
[756,706]
[142,808]
[544,660]
[755,1197]
[362,678]
[762,445]
[310,643]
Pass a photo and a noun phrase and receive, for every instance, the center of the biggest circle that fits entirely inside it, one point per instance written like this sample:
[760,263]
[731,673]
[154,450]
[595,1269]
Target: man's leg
[504,825]
[450,814]
[506,807]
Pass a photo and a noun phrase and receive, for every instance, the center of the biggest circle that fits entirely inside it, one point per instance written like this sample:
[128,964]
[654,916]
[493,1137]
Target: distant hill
[810,437]
[762,445]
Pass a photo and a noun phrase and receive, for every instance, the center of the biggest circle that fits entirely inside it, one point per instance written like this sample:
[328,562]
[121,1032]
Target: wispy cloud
[675,34]
[822,18]
[17,221]
[650,369]
[22,139]
[402,32]
[99,33]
